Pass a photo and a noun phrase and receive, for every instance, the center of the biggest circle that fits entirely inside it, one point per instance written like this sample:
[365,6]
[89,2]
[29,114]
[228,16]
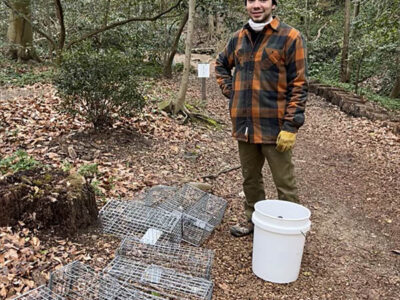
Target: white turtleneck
[259,26]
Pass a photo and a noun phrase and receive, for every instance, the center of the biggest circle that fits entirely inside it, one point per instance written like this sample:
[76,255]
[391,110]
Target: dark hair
[273,2]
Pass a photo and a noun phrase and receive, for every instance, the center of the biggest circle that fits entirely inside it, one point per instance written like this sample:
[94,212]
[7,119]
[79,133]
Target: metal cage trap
[40,293]
[77,281]
[155,279]
[202,211]
[201,219]
[125,218]
[189,260]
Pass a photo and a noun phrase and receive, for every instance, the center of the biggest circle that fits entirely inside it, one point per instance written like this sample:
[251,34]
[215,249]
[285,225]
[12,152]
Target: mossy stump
[47,199]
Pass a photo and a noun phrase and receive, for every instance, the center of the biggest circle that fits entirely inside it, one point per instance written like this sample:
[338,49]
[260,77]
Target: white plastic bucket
[279,236]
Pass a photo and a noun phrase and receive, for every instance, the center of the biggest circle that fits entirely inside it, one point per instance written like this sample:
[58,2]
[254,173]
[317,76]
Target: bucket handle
[303,234]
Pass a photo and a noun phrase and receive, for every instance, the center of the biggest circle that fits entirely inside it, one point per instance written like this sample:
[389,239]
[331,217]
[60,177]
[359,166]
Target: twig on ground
[214,176]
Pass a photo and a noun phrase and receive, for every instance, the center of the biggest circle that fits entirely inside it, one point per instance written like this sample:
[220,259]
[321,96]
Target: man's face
[260,10]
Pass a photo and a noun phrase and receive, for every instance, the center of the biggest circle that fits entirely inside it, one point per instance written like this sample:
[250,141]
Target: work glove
[285,141]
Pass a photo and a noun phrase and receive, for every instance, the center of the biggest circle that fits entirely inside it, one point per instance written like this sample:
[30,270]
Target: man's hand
[285,141]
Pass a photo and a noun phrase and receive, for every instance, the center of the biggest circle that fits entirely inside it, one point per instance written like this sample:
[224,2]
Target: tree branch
[319,33]
[116,24]
[214,176]
[35,28]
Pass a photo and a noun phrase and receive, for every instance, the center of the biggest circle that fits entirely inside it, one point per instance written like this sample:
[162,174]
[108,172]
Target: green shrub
[21,74]
[19,161]
[179,67]
[89,171]
[100,85]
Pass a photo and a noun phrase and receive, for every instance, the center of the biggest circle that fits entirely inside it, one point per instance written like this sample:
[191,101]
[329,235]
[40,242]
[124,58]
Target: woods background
[352,44]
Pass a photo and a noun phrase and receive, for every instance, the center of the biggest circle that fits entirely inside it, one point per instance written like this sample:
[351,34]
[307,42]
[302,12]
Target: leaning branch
[319,33]
[35,28]
[116,24]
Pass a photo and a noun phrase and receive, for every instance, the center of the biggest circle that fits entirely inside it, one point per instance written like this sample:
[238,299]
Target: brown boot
[242,229]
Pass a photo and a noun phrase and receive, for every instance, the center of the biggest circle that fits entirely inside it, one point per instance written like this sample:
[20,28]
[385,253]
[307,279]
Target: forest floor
[347,169]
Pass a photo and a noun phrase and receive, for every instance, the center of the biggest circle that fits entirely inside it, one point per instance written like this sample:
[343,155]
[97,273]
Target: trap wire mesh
[77,281]
[40,293]
[202,211]
[172,198]
[202,218]
[156,279]
[125,218]
[189,260]
[161,196]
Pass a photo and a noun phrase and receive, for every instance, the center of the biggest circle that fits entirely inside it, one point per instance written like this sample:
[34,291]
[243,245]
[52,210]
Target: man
[267,93]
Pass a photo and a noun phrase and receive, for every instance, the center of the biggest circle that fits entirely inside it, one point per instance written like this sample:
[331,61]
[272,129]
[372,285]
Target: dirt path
[348,174]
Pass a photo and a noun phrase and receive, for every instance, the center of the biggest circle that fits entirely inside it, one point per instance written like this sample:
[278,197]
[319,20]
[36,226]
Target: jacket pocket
[270,57]
[240,57]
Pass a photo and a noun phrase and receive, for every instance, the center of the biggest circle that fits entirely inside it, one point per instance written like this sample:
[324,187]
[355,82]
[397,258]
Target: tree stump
[47,199]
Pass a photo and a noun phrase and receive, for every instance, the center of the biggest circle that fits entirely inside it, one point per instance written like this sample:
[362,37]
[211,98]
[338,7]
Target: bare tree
[344,74]
[20,33]
[168,63]
[178,103]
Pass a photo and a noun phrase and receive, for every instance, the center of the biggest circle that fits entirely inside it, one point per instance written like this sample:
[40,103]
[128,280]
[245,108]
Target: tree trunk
[358,72]
[41,199]
[178,104]
[168,63]
[345,50]
[395,93]
[106,13]
[20,34]
[356,8]
[352,33]
[211,26]
[61,41]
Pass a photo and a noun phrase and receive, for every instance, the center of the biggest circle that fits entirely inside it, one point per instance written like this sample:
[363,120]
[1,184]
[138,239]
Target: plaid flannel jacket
[268,89]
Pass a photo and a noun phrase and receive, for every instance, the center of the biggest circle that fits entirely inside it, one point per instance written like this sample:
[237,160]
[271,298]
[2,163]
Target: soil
[47,199]
[347,171]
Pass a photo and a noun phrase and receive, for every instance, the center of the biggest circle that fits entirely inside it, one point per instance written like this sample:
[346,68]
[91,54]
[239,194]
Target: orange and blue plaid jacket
[268,89]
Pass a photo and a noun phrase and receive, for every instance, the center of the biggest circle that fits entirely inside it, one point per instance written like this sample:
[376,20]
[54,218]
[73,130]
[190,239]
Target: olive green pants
[252,158]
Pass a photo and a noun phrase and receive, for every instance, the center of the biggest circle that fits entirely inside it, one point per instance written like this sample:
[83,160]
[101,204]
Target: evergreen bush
[100,85]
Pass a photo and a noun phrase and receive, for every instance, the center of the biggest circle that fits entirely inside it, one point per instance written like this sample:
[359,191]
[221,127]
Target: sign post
[203,73]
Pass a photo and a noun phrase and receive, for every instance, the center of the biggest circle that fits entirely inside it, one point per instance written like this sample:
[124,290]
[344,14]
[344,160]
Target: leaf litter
[347,170]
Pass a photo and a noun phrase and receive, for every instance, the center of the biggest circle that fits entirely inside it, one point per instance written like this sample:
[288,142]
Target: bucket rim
[259,203]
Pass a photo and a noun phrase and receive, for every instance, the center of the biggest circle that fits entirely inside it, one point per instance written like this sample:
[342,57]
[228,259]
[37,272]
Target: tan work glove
[285,141]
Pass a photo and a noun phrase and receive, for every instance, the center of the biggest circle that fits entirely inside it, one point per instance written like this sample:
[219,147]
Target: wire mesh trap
[156,279]
[201,219]
[161,195]
[202,211]
[133,218]
[77,281]
[172,198]
[40,293]
[189,260]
